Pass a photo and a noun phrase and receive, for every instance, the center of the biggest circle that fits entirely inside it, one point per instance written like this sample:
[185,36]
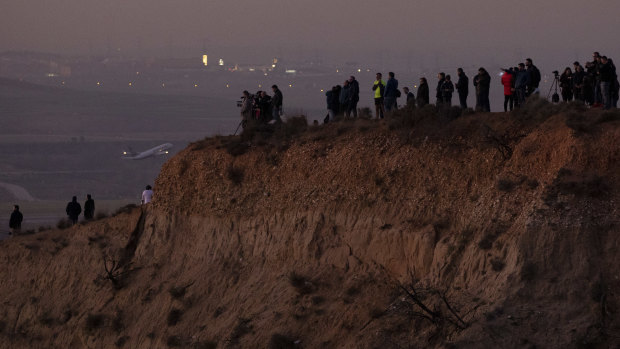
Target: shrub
[174,341]
[279,341]
[94,322]
[63,223]
[235,174]
[174,316]
[506,185]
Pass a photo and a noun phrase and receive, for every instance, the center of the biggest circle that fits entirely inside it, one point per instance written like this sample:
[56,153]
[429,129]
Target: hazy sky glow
[353,27]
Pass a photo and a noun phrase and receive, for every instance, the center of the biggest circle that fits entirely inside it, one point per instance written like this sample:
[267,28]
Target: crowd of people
[73,210]
[596,86]
[261,107]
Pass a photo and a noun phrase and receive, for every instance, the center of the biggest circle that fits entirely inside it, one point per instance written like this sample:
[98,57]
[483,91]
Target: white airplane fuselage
[159,150]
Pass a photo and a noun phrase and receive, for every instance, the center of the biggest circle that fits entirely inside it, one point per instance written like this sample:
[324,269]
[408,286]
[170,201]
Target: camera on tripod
[556,74]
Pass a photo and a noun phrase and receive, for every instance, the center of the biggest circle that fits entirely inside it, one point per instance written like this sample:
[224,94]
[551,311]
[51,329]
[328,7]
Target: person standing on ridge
[379,88]
[508,80]
[607,77]
[15,222]
[409,96]
[354,96]
[276,104]
[482,81]
[532,87]
[522,78]
[462,86]
[441,77]
[423,97]
[578,77]
[147,195]
[73,210]
[246,108]
[89,208]
[391,92]
[344,98]
[566,85]
[446,92]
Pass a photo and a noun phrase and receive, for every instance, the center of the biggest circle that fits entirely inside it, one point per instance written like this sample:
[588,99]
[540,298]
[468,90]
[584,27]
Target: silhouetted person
[482,81]
[423,97]
[607,77]
[15,222]
[264,105]
[578,80]
[391,92]
[344,97]
[508,80]
[534,81]
[89,208]
[566,85]
[246,111]
[379,88]
[522,78]
[446,91]
[354,97]
[276,103]
[332,99]
[147,195]
[73,210]
[441,78]
[410,97]
[462,86]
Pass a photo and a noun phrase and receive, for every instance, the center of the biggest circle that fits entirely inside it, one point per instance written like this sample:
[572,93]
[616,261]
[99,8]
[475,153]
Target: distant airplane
[157,151]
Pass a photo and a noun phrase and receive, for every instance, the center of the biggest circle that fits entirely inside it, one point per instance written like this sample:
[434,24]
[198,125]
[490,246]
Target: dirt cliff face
[490,230]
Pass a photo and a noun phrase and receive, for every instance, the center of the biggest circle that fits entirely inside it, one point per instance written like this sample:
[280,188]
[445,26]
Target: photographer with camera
[246,108]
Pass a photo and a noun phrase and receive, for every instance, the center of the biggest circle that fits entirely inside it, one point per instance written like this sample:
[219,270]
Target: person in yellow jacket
[379,88]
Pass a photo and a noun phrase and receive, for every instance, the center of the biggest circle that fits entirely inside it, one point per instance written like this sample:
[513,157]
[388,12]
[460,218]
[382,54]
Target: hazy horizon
[396,33]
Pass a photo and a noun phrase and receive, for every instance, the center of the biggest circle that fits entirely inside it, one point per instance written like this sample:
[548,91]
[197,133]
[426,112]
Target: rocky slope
[486,231]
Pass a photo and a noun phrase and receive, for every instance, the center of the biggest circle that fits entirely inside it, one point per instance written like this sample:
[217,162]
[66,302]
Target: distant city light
[273,65]
[98,83]
[137,73]
[290,71]
[130,83]
[163,84]
[63,82]
[322,90]
[259,85]
[252,69]
[227,86]
[359,70]
[205,60]
[221,61]
[265,74]
[337,70]
[290,85]
[51,75]
[195,85]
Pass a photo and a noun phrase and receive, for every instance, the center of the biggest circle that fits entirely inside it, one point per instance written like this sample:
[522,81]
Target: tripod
[555,84]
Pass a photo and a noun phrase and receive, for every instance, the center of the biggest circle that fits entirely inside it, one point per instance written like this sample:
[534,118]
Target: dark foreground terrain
[484,231]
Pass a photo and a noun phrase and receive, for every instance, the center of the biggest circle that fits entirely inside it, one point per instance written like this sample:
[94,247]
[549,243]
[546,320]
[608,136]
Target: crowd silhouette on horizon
[596,86]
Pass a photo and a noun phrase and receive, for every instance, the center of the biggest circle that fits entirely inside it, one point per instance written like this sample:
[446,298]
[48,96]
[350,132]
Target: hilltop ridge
[422,230]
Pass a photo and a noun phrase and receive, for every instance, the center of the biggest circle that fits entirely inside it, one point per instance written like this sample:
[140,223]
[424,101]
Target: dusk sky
[363,29]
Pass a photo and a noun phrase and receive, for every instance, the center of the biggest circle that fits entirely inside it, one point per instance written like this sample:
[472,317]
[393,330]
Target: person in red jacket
[508,80]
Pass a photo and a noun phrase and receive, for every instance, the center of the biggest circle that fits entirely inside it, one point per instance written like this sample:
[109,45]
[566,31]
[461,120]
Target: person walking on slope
[508,80]
[391,93]
[534,82]
[423,98]
[441,78]
[89,208]
[147,195]
[15,222]
[276,104]
[354,96]
[73,210]
[446,92]
[482,82]
[379,88]
[462,86]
